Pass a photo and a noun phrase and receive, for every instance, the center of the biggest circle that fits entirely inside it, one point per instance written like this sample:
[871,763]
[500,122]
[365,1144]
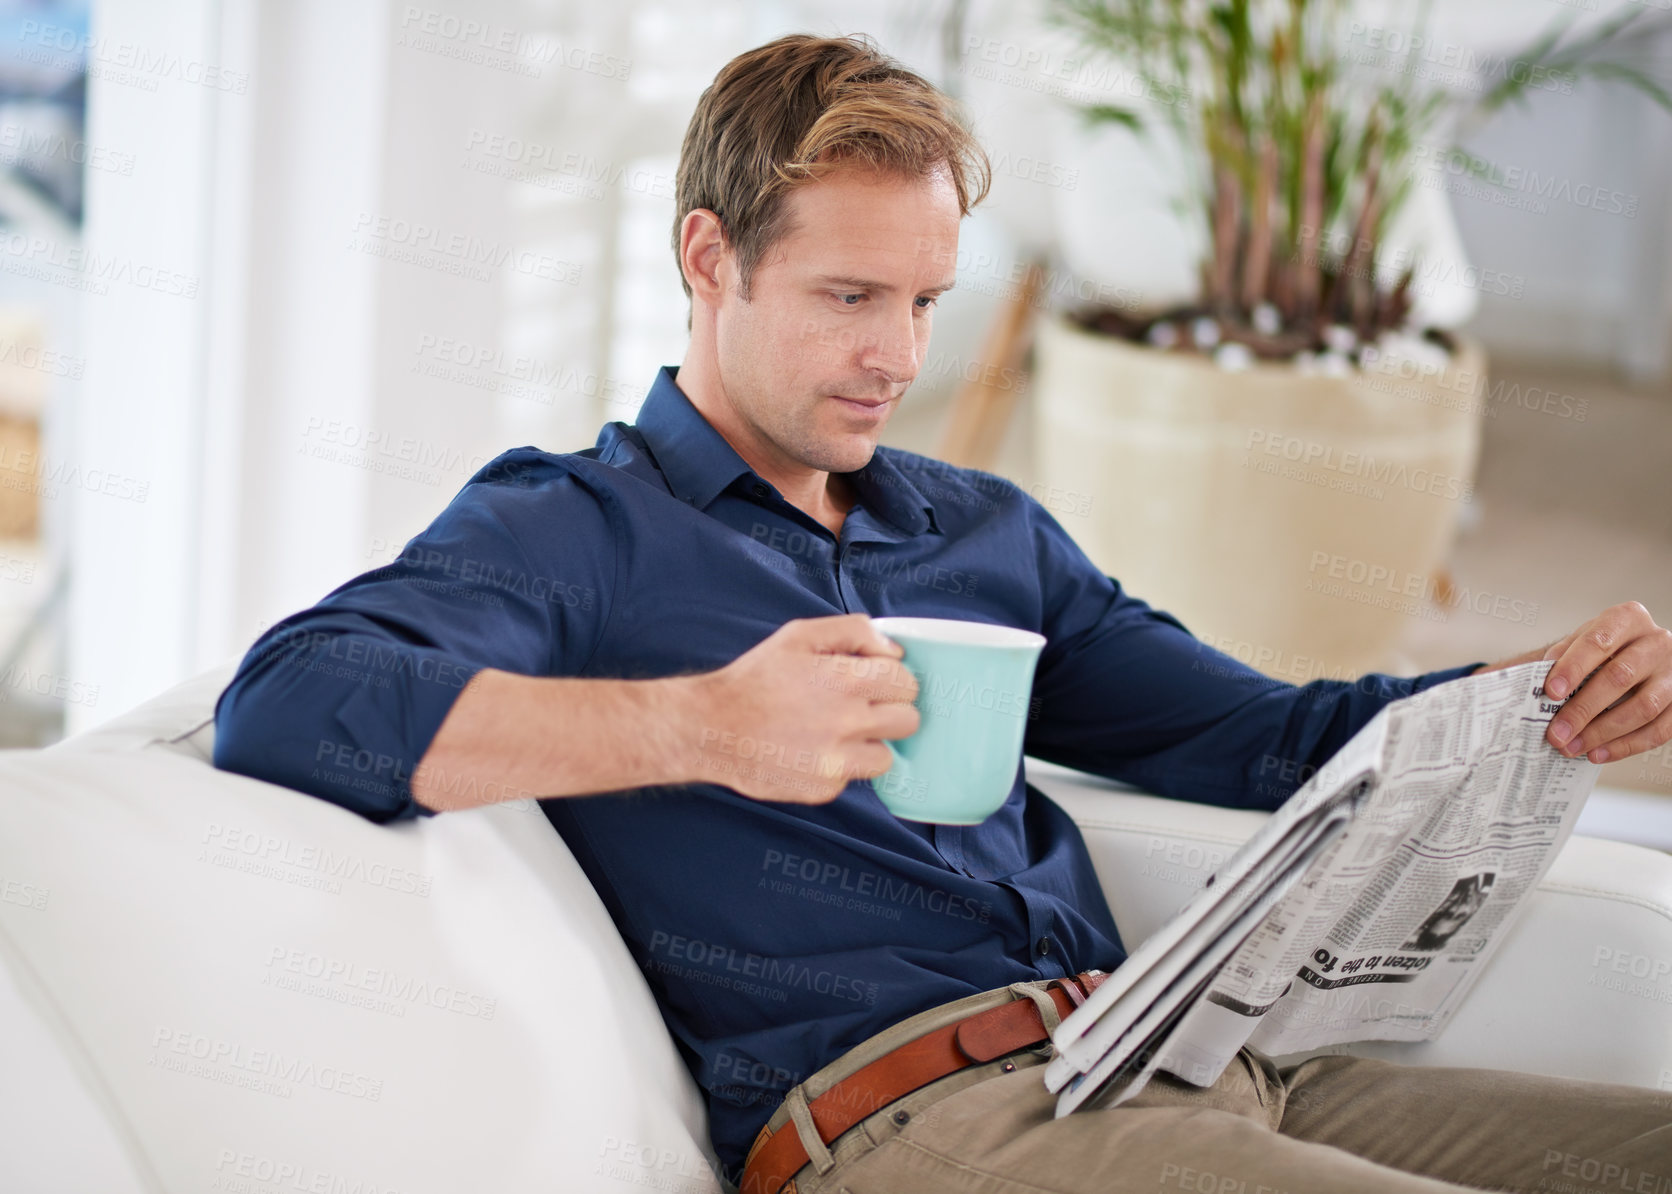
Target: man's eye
[924,302]
[851,300]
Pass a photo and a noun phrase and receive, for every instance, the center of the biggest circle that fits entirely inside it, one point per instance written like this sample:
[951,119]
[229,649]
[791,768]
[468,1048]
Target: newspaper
[1363,909]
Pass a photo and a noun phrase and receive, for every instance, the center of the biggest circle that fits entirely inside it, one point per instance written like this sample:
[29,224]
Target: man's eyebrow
[848,282]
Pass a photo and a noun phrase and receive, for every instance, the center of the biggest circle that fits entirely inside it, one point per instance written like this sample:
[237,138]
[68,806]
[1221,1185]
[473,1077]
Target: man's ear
[702,248]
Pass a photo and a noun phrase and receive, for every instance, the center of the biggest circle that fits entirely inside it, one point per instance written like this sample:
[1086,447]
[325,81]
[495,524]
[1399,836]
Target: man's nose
[892,349]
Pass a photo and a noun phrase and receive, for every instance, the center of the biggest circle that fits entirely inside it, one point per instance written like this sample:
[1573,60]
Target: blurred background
[276,277]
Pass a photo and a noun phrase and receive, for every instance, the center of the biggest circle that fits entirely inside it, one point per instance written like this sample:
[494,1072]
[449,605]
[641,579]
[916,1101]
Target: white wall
[274,413]
[1586,227]
[139,410]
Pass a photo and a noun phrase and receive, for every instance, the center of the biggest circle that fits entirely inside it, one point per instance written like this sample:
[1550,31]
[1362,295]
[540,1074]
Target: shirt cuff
[1431,679]
[388,734]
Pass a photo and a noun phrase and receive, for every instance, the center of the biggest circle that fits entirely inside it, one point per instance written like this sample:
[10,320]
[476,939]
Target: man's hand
[803,712]
[1620,663]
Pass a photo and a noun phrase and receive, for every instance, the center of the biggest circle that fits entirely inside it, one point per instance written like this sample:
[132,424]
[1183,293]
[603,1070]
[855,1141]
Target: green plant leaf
[1112,114]
[1631,76]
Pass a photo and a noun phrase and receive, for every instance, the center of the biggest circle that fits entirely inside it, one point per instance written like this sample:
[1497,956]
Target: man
[678,617]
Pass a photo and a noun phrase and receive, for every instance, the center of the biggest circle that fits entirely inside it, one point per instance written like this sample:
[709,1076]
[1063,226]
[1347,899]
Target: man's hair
[779,116]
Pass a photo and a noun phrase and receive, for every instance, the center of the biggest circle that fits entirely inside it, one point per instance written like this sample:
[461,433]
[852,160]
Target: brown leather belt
[776,1157]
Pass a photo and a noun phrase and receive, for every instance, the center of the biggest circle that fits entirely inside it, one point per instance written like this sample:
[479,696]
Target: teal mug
[974,680]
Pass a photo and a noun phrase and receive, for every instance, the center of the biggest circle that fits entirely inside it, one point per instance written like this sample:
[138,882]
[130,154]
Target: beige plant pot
[1297,522]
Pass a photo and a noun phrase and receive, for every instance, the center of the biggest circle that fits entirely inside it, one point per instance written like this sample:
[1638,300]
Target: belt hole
[902,1116]
[1008,1066]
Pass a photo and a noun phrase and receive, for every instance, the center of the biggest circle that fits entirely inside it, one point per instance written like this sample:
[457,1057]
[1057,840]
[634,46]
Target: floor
[1572,513]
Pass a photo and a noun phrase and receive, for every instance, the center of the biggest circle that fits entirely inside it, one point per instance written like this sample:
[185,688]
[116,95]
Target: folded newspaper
[1363,909]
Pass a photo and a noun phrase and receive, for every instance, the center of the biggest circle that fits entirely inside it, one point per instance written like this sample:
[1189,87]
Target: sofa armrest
[241,977]
[1581,987]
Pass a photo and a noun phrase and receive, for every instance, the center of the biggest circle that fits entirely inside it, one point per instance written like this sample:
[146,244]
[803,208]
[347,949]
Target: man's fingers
[893,721]
[897,684]
[877,678]
[871,760]
[1631,683]
[1657,733]
[847,634]
[1591,644]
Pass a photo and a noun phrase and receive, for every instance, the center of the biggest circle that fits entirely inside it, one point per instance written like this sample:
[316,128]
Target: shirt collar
[699,464]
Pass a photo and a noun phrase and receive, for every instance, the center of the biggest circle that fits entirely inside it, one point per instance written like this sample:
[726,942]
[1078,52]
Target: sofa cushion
[55,1136]
[259,987]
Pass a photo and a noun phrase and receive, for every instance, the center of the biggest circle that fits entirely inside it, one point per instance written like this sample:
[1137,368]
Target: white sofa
[212,983]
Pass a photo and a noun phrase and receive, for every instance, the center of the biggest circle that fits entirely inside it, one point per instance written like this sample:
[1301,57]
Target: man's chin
[849,456]
[842,450]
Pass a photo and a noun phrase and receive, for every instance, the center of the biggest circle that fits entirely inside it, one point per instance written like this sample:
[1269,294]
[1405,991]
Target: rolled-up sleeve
[342,700]
[1125,691]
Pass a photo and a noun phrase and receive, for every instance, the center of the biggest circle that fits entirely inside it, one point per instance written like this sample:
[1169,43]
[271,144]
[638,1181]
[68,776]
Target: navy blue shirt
[777,936]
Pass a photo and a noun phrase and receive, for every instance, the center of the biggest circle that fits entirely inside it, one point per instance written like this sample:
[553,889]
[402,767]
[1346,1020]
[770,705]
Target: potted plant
[1281,460]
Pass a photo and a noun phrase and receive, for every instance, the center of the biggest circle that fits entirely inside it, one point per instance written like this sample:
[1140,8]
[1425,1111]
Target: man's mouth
[870,403]
[869,412]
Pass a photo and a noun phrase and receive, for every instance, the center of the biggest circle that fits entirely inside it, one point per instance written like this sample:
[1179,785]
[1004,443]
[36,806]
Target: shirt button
[1044,946]
[760,490]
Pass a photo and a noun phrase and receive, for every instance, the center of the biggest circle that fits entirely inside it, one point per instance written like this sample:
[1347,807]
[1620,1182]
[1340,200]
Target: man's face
[838,320]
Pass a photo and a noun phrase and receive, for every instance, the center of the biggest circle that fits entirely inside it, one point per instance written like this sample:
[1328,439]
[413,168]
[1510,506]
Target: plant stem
[1256,265]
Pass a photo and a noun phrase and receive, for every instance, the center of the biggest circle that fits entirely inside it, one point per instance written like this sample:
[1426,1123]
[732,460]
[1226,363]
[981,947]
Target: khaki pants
[1325,1126]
